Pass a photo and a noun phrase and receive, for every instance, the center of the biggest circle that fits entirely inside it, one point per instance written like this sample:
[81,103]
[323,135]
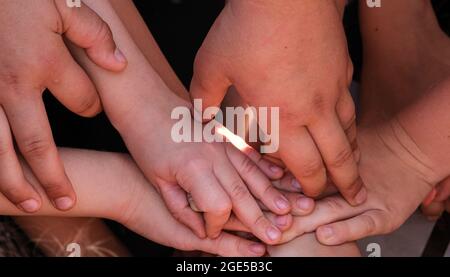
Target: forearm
[428,124]
[138,88]
[104,183]
[144,39]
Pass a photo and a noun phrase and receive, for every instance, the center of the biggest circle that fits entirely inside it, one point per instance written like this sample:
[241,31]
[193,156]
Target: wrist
[126,186]
[393,138]
[150,107]
[280,6]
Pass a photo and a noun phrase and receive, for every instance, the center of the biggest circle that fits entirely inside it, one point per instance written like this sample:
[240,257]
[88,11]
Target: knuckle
[348,116]
[311,168]
[102,34]
[341,158]
[319,103]
[260,221]
[87,106]
[15,192]
[55,189]
[5,148]
[369,224]
[239,191]
[36,146]
[332,205]
[248,167]
[222,207]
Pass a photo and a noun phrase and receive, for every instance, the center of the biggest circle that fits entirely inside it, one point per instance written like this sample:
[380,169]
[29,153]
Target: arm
[111,186]
[38,29]
[292,55]
[402,160]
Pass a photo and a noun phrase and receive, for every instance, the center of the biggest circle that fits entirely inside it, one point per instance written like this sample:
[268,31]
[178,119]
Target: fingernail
[275,169]
[63,203]
[273,233]
[257,248]
[29,206]
[326,232]
[296,185]
[361,196]
[304,203]
[120,57]
[282,220]
[282,203]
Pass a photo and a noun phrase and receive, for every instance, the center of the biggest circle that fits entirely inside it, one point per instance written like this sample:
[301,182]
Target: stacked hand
[292,55]
[34,57]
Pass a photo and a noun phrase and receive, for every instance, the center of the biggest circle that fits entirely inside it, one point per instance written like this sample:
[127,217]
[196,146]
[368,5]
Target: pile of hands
[324,181]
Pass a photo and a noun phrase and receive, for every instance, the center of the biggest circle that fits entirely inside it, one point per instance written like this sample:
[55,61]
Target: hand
[291,55]
[218,176]
[396,183]
[147,215]
[33,57]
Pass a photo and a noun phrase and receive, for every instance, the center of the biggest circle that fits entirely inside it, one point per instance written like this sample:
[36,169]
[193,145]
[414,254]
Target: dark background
[179,26]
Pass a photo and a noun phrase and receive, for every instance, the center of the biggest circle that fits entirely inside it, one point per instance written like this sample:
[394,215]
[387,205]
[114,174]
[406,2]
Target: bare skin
[33,57]
[404,56]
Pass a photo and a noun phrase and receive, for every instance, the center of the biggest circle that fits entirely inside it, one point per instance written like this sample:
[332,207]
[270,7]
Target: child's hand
[33,57]
[147,215]
[396,182]
[291,55]
[219,177]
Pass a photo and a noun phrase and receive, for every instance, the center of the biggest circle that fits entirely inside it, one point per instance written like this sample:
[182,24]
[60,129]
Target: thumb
[86,29]
[209,82]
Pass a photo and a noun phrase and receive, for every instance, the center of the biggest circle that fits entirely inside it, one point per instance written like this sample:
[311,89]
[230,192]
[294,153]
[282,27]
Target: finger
[367,224]
[29,123]
[176,201]
[430,197]
[244,205]
[301,205]
[338,156]
[72,87]
[345,110]
[208,82]
[347,116]
[271,170]
[86,29]
[302,158]
[257,182]
[288,183]
[209,197]
[227,245]
[12,181]
[283,222]
[327,210]
[234,224]
[434,210]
